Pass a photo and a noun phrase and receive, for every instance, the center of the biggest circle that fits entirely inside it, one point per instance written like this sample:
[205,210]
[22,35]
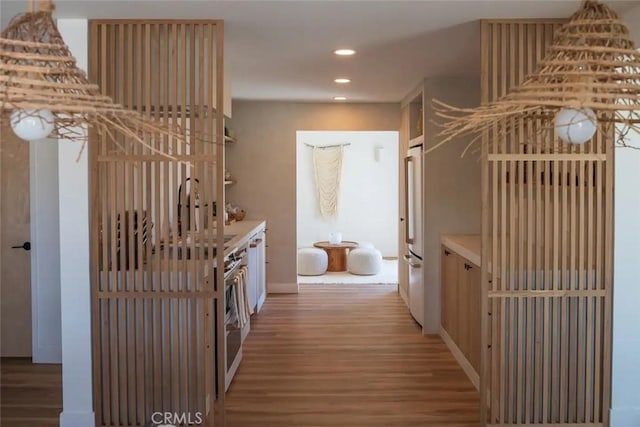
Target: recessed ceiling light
[339,98]
[342,80]
[344,52]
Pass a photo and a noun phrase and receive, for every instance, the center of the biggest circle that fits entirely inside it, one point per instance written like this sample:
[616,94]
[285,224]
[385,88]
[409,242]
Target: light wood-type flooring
[343,356]
[333,355]
[30,395]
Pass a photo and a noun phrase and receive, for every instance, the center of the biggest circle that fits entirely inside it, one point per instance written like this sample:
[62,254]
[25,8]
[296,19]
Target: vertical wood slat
[149,352]
[219,172]
[608,273]
[95,255]
[548,225]
[486,323]
[139,318]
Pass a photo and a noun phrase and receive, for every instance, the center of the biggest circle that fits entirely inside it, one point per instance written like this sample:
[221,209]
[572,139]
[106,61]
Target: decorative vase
[335,238]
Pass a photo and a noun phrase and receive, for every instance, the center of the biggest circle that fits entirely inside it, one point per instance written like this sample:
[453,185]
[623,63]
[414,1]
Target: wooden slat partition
[546,256]
[156,305]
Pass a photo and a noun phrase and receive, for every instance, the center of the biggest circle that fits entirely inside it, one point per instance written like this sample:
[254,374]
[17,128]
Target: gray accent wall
[452,200]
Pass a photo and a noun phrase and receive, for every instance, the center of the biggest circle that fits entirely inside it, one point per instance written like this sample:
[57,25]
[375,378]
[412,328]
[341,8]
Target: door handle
[407,259]
[26,246]
[407,164]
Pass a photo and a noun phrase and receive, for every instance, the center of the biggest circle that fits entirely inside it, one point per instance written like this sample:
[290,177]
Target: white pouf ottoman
[364,261]
[312,261]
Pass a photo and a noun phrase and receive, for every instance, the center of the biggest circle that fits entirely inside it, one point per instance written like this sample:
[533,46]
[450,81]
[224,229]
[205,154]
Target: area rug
[388,275]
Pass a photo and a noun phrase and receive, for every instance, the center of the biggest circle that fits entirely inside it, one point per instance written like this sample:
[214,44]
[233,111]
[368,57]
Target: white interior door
[15,261]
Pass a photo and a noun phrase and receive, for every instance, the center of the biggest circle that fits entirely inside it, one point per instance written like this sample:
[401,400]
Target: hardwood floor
[346,356]
[30,395]
[339,356]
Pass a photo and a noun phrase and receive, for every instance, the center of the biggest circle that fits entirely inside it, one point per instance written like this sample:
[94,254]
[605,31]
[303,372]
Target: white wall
[367,204]
[625,403]
[75,292]
[625,399]
[45,252]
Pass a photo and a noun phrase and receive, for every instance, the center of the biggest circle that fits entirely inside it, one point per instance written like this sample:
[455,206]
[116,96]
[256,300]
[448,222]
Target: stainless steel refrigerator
[413,231]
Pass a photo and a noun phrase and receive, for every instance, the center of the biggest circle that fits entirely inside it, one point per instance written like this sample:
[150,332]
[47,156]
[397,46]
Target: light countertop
[466,245]
[242,231]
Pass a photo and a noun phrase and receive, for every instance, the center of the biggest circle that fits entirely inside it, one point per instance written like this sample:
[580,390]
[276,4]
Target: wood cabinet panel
[463,306]
[449,292]
[475,350]
[461,313]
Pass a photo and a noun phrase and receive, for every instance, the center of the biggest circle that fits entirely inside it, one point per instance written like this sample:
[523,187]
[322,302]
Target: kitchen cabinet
[460,314]
[261,269]
[449,292]
[252,272]
[256,265]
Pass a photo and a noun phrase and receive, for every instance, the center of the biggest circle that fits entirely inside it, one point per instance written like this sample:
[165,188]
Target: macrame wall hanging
[327,166]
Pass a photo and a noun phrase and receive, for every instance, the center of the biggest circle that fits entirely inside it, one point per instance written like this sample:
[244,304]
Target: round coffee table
[337,254]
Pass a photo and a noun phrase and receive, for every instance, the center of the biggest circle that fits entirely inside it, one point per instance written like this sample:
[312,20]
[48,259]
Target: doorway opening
[347,207]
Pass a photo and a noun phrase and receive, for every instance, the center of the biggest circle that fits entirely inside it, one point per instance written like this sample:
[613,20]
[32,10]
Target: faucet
[187,222]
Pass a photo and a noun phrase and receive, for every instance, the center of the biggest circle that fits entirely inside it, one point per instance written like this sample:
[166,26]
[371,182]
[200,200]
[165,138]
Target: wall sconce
[377,153]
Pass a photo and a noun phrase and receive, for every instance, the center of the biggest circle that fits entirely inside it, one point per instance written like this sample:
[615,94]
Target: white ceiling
[282,50]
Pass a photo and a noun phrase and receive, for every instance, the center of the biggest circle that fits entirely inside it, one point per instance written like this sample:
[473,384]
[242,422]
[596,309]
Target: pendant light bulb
[32,125]
[575,126]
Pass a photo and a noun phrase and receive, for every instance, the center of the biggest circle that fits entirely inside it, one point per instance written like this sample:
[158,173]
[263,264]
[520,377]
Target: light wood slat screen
[547,240]
[153,240]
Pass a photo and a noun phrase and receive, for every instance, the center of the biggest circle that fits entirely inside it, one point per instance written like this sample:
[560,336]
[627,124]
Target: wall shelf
[229,182]
[229,140]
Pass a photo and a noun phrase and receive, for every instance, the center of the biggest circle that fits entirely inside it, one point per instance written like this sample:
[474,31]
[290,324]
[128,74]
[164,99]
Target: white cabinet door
[261,268]
[252,265]
[416,289]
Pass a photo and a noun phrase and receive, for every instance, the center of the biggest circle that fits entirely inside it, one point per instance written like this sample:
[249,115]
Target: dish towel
[244,307]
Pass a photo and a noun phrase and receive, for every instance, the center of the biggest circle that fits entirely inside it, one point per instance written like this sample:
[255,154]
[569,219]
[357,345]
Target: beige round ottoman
[312,262]
[364,261]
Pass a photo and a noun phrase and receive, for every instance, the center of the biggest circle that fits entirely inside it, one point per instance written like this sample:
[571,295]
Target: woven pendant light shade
[38,72]
[591,64]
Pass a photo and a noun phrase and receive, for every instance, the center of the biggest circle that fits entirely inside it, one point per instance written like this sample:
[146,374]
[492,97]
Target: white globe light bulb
[576,126]
[32,125]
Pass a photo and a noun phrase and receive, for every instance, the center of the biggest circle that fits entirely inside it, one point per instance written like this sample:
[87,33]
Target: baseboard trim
[47,355]
[282,288]
[462,360]
[624,417]
[75,419]
[261,301]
